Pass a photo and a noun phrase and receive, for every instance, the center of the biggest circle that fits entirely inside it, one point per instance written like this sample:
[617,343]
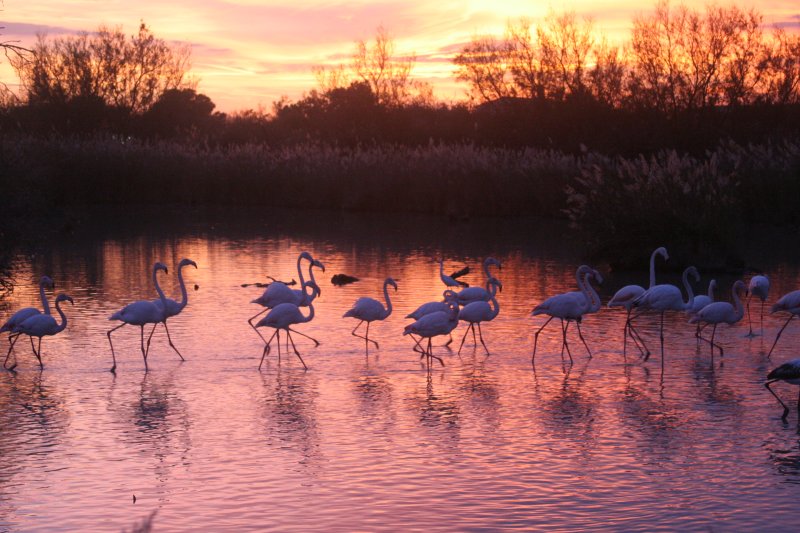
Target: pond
[378,441]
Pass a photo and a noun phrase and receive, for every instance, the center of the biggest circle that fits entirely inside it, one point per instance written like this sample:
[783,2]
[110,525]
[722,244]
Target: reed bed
[619,206]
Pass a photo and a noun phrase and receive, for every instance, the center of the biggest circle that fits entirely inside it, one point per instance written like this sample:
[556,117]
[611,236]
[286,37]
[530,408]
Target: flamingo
[477,312]
[665,297]
[700,301]
[173,307]
[369,309]
[447,280]
[475,294]
[277,293]
[790,373]
[570,306]
[433,307]
[140,313]
[23,314]
[282,317]
[627,294]
[789,302]
[432,325]
[43,325]
[759,286]
[719,312]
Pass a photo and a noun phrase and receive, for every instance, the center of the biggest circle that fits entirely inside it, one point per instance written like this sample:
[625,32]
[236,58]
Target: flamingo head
[392,282]
[693,271]
[450,295]
[597,276]
[493,261]
[186,262]
[62,297]
[315,290]
[318,264]
[160,266]
[662,252]
[497,283]
[306,256]
[46,282]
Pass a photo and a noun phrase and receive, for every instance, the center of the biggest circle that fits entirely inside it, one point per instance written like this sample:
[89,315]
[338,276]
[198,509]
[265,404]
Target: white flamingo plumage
[627,294]
[789,303]
[282,317]
[759,286]
[790,373]
[570,306]
[140,313]
[278,292]
[23,314]
[42,325]
[478,294]
[666,297]
[721,312]
[369,310]
[433,325]
[700,301]
[480,311]
[433,307]
[174,308]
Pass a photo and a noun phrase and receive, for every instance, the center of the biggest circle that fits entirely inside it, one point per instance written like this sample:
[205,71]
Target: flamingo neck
[582,277]
[689,291]
[63,317]
[388,300]
[594,298]
[310,313]
[711,286]
[737,302]
[158,288]
[495,306]
[300,272]
[184,294]
[441,267]
[653,268]
[43,296]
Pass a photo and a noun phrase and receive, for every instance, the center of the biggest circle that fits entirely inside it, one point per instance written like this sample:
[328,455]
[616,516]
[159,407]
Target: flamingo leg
[10,349]
[578,325]
[316,342]
[266,349]
[170,342]
[466,331]
[762,317]
[113,357]
[643,349]
[449,341]
[250,321]
[564,343]
[367,339]
[749,320]
[536,337]
[480,336]
[150,337]
[37,352]
[289,335]
[662,342]
[785,409]
[779,336]
[278,342]
[474,340]
[144,353]
[713,334]
[430,353]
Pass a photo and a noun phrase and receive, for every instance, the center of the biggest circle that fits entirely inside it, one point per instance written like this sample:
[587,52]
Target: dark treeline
[558,123]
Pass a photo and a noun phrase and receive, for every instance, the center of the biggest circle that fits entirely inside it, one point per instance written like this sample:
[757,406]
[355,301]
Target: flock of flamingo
[471,305]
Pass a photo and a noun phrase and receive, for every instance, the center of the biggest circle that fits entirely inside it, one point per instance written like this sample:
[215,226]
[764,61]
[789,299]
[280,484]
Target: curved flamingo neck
[300,271]
[441,267]
[184,294]
[486,265]
[689,291]
[491,288]
[63,317]
[582,277]
[43,296]
[388,310]
[158,288]
[711,286]
[310,313]
[495,306]
[653,267]
[594,301]
[311,272]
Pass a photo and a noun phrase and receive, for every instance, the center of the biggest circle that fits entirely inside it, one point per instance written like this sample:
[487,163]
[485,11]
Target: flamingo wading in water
[476,294]
[172,307]
[282,317]
[369,309]
[790,303]
[790,373]
[23,314]
[477,312]
[625,297]
[433,325]
[140,313]
[570,306]
[759,286]
[721,312]
[433,307]
[43,325]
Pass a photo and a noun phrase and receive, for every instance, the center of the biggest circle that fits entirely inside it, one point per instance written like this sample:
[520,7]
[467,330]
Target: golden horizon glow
[247,54]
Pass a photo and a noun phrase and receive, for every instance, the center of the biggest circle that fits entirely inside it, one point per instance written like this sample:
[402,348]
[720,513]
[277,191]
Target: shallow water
[378,442]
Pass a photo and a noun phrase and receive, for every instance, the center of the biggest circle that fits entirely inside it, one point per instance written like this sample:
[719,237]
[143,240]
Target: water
[378,442]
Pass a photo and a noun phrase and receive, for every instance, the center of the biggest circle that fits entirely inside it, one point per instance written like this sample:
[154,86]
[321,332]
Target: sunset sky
[249,53]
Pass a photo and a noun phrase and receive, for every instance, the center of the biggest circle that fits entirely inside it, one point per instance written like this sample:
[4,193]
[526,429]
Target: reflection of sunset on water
[366,442]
